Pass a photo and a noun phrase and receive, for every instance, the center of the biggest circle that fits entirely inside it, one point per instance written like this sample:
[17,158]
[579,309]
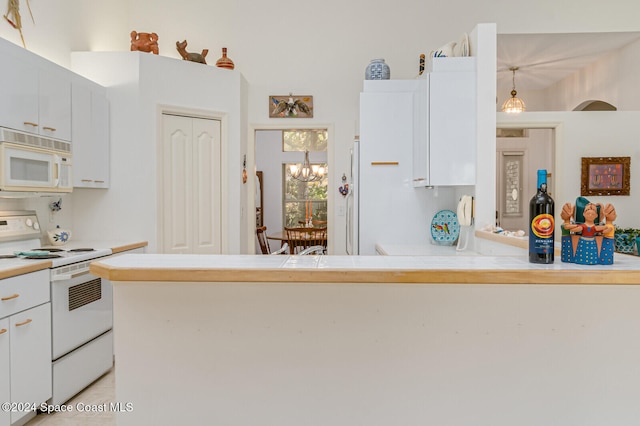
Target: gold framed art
[605,176]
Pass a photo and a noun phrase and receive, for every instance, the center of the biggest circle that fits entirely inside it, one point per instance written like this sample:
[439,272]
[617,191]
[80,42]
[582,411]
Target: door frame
[224,171]
[251,165]
[505,121]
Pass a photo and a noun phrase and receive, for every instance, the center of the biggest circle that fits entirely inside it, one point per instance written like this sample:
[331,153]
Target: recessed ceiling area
[544,59]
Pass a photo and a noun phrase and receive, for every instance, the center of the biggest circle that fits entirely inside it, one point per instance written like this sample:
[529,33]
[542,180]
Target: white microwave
[34,164]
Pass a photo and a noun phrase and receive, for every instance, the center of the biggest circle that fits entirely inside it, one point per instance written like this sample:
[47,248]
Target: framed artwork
[283,106]
[605,176]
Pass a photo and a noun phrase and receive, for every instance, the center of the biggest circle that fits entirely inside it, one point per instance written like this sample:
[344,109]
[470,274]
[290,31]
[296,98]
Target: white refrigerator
[412,133]
[384,207]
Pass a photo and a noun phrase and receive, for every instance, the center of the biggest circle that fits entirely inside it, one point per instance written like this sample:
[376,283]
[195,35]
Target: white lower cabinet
[5,371]
[25,345]
[30,357]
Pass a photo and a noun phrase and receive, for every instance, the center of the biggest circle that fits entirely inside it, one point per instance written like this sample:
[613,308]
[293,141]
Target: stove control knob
[36,226]
[29,222]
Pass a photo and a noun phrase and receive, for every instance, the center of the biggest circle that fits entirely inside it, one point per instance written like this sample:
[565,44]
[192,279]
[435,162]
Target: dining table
[282,237]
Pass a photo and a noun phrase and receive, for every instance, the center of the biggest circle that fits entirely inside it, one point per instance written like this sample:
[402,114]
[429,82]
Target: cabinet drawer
[23,292]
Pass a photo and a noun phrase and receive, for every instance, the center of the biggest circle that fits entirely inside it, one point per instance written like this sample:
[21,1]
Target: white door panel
[191,185]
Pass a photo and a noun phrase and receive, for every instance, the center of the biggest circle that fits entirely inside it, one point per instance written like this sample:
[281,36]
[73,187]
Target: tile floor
[99,392]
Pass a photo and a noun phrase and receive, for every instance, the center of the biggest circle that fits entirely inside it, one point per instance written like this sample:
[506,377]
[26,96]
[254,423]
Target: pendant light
[513,105]
[306,172]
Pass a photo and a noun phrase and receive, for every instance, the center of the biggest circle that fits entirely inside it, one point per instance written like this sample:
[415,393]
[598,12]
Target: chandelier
[306,172]
[513,105]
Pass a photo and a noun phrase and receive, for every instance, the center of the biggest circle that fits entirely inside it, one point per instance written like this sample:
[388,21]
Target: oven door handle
[65,277]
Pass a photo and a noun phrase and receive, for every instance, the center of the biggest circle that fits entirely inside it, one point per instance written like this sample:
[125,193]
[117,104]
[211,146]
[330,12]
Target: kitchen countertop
[16,266]
[325,336]
[362,269]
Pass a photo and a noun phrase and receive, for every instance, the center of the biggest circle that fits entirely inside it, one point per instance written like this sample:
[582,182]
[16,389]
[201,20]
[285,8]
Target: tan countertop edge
[430,276]
[131,246]
[25,269]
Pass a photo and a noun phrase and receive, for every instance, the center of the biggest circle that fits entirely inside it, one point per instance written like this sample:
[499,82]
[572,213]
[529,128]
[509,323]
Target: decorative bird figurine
[290,107]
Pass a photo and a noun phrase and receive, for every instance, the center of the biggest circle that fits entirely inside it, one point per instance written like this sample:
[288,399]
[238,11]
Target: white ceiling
[544,59]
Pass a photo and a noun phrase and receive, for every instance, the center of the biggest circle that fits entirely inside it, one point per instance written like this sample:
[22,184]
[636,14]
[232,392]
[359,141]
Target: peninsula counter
[375,340]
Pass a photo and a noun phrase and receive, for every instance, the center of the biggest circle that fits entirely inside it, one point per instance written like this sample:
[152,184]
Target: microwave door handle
[56,171]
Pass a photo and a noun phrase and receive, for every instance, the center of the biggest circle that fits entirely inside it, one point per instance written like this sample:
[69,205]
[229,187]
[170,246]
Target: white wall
[306,48]
[587,134]
[138,86]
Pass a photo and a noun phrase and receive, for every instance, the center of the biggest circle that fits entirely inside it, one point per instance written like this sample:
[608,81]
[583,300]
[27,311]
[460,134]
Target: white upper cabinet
[443,123]
[54,106]
[18,93]
[445,147]
[90,134]
[452,129]
[35,95]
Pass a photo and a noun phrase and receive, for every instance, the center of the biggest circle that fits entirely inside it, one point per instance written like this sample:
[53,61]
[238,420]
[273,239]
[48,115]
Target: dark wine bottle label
[541,234]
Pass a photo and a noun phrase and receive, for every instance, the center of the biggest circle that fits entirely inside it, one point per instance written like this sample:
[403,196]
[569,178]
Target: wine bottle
[542,225]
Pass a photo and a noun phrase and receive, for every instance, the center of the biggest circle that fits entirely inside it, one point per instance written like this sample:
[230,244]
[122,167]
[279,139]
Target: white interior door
[191,187]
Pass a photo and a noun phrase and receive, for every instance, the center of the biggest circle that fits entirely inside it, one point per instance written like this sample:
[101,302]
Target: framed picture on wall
[281,106]
[605,176]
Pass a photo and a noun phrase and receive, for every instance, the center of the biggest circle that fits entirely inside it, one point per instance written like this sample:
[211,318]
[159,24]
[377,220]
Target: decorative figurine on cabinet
[144,42]
[193,57]
[584,241]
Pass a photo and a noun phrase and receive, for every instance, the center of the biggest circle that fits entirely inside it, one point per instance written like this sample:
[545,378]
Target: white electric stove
[81,303]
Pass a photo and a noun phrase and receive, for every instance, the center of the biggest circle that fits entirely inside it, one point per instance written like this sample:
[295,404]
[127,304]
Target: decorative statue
[588,242]
[14,19]
[193,57]
[144,42]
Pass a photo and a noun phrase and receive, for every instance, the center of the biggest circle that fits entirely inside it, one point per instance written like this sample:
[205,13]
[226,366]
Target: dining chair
[301,238]
[314,222]
[264,243]
[262,240]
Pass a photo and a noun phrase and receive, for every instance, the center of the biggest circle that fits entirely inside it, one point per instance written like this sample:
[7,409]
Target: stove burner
[44,256]
[49,249]
[8,256]
[80,249]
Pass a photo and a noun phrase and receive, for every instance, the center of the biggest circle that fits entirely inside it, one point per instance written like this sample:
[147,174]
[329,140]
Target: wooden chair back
[314,223]
[262,239]
[302,238]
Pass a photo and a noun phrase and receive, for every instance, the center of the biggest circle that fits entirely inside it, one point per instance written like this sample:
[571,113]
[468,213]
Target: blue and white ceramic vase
[377,70]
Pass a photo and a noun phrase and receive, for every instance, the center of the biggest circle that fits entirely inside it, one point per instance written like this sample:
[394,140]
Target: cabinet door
[5,392]
[55,102]
[90,136]
[18,94]
[100,139]
[386,151]
[30,356]
[452,128]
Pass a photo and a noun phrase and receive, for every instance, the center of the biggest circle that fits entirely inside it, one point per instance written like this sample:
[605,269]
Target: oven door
[81,308]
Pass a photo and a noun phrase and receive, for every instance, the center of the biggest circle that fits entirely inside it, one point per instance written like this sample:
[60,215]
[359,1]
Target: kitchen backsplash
[47,218]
